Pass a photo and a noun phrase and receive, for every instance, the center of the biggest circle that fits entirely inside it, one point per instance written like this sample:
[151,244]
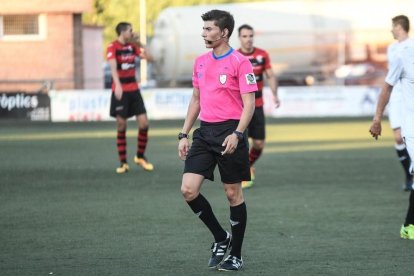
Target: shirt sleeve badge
[250,78]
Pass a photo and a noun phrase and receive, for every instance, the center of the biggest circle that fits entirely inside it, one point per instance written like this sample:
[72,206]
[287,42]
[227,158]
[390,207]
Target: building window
[20,24]
[22,27]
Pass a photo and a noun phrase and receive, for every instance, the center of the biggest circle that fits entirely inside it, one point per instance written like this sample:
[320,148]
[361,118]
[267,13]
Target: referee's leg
[238,216]
[190,188]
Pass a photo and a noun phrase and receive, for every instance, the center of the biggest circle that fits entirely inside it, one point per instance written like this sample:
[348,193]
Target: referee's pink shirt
[221,81]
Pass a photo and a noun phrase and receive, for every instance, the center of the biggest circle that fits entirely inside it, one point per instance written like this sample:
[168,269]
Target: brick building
[43,42]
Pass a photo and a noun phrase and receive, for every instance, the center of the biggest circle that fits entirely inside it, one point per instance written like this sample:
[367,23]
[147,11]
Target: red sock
[254,154]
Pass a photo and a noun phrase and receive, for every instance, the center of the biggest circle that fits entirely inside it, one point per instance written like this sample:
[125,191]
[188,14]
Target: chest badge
[223,79]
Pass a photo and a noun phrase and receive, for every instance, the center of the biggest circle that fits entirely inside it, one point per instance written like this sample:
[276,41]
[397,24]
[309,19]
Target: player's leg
[121,144]
[142,122]
[404,158]
[119,110]
[142,141]
[138,109]
[256,132]
[258,135]
[254,154]
[199,165]
[256,150]
[407,230]
[396,118]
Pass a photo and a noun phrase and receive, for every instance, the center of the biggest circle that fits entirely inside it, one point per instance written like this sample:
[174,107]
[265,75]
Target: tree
[108,13]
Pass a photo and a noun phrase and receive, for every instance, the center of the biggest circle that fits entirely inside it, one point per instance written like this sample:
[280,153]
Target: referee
[224,99]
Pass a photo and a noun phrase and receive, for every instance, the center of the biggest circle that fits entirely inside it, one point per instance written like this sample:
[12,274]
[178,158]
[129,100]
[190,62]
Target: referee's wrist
[239,135]
[182,135]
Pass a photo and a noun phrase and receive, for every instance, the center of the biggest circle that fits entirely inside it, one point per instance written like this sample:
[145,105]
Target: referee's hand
[183,148]
[230,143]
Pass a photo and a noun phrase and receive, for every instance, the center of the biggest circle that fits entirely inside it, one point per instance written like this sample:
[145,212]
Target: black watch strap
[183,135]
[239,134]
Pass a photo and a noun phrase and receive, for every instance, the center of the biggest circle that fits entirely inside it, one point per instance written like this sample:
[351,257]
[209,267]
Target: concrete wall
[93,57]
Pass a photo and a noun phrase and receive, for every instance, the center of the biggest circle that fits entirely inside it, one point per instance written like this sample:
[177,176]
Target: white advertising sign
[167,103]
[80,105]
[322,101]
[172,103]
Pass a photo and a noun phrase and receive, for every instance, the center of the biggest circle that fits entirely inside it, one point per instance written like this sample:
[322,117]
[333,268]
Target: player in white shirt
[401,72]
[400,29]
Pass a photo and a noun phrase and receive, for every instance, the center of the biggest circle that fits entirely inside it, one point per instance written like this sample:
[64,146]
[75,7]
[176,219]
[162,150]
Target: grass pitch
[327,201]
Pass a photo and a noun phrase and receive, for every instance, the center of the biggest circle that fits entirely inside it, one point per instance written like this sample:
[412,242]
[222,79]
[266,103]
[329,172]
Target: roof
[45,6]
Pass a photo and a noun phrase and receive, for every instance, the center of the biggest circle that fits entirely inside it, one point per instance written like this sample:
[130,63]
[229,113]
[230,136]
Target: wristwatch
[239,135]
[183,135]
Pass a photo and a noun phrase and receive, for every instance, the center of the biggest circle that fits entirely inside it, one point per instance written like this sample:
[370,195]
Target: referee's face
[211,34]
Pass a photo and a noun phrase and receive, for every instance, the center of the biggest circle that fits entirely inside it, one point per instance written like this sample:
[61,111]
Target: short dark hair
[245,26]
[222,19]
[403,21]
[121,27]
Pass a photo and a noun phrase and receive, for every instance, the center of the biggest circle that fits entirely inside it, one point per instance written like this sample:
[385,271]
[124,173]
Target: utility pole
[143,37]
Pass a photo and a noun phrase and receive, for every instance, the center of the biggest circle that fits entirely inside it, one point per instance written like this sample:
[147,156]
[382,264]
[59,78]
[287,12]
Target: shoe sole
[229,270]
[406,237]
[147,170]
[121,172]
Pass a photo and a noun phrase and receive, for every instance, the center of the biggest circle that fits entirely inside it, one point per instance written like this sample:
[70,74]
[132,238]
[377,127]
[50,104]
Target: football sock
[238,219]
[404,159]
[254,154]
[121,146]
[142,142]
[410,213]
[202,208]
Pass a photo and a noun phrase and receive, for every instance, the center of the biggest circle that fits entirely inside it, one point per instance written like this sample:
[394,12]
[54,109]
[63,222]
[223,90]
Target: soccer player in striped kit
[223,98]
[126,98]
[260,61]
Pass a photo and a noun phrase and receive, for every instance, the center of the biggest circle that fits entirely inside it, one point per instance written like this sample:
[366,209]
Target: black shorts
[205,153]
[256,128]
[131,104]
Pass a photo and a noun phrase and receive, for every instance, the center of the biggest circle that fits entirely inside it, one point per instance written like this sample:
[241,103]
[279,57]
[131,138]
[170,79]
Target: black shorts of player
[131,104]
[205,153]
[256,128]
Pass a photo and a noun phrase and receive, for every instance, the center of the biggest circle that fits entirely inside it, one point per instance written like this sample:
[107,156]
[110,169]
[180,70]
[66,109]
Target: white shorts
[409,143]
[395,107]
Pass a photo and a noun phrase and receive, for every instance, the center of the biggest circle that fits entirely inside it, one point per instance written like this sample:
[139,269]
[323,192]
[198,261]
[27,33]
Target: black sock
[404,159]
[238,219]
[202,208]
[410,212]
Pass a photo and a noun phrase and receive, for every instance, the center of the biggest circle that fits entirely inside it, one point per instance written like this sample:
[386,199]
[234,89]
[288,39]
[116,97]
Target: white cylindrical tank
[302,37]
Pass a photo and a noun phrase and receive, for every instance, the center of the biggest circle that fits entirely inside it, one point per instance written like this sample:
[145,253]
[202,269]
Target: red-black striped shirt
[124,55]
[260,61]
